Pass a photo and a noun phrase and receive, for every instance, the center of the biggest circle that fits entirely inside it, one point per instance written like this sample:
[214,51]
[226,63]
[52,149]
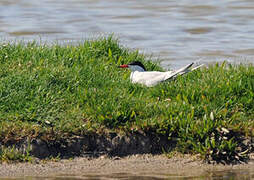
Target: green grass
[12,154]
[75,90]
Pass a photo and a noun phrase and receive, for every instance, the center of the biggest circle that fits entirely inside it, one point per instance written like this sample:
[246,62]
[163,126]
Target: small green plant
[12,154]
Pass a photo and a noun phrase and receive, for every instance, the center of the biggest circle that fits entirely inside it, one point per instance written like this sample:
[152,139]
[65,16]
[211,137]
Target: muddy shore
[114,156]
[146,165]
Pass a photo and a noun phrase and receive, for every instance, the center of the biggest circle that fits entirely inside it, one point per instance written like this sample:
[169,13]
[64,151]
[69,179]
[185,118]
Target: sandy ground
[132,167]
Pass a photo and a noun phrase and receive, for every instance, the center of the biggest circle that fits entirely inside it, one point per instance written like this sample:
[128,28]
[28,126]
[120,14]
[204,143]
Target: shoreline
[146,165]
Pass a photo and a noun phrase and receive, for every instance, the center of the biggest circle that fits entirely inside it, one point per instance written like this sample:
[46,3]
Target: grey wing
[189,70]
[179,71]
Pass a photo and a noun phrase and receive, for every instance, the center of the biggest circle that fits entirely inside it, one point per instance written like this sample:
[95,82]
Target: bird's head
[134,66]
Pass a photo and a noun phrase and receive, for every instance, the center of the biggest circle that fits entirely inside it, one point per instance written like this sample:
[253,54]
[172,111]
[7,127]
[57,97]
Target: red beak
[123,66]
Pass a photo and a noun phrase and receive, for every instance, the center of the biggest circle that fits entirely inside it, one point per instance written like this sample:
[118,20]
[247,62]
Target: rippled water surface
[217,175]
[175,31]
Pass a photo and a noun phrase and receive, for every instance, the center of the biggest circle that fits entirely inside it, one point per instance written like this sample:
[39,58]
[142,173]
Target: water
[174,31]
[177,32]
[217,175]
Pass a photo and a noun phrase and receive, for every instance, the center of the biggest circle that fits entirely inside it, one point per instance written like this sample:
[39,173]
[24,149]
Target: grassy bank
[60,91]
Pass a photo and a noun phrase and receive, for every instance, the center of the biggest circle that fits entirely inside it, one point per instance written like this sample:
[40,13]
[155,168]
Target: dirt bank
[114,144]
[147,165]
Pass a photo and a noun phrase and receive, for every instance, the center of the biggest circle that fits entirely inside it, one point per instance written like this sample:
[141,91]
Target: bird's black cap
[138,63]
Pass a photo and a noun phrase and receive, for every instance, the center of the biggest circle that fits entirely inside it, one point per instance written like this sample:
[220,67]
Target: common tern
[151,78]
